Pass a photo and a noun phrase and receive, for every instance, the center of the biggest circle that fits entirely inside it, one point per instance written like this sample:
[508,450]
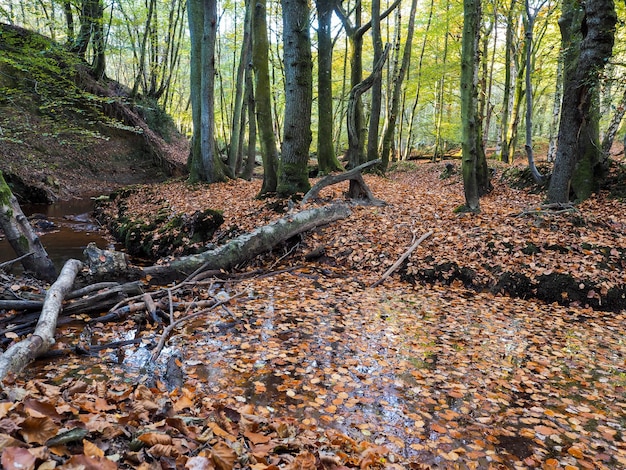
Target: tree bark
[234,150]
[21,236]
[390,129]
[354,143]
[616,119]
[353,175]
[262,92]
[204,162]
[326,156]
[469,103]
[588,31]
[19,355]
[530,24]
[293,177]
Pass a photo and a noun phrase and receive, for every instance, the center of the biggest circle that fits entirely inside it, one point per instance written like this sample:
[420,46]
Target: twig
[406,254]
[173,325]
[16,260]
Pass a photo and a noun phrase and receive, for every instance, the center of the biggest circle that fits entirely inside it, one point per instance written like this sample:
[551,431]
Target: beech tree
[92,31]
[588,32]
[293,175]
[263,98]
[474,164]
[326,155]
[204,162]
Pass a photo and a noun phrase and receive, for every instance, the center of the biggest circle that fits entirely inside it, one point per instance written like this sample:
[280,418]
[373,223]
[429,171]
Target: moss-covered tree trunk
[263,102]
[326,155]
[204,162]
[398,78]
[293,175]
[588,33]
[22,237]
[474,164]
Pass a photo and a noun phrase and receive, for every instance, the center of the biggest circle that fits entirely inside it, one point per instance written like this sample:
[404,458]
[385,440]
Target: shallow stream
[65,228]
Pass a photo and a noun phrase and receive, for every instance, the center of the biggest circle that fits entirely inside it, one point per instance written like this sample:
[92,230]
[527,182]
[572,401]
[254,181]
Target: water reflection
[65,228]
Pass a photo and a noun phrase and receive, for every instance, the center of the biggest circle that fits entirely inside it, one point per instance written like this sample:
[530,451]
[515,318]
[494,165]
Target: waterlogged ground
[448,380]
[308,367]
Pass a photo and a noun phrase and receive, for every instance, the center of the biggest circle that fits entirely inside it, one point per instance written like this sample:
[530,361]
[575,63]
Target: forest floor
[444,365]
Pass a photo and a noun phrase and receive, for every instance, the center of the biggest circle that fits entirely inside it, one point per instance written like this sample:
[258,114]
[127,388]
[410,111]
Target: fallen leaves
[309,368]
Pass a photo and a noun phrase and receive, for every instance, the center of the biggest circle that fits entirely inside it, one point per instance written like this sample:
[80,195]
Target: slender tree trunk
[251,107]
[588,32]
[609,136]
[474,164]
[293,175]
[556,110]
[397,89]
[263,98]
[204,162]
[440,91]
[418,84]
[140,78]
[377,87]
[354,191]
[69,21]
[530,24]
[355,32]
[506,100]
[236,130]
[326,154]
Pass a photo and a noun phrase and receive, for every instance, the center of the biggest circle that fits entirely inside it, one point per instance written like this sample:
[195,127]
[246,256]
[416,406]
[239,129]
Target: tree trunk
[506,100]
[440,89]
[419,79]
[530,24]
[22,237]
[353,135]
[293,177]
[204,162]
[249,245]
[263,96]
[234,150]
[469,102]
[19,355]
[326,156]
[556,109]
[377,87]
[251,108]
[588,32]
[397,89]
[355,32]
[609,136]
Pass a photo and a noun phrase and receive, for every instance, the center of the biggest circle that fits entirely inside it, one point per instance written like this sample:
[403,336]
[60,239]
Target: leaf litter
[309,368]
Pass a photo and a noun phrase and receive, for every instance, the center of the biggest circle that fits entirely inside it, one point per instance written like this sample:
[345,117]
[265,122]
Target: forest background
[415,108]
[452,375]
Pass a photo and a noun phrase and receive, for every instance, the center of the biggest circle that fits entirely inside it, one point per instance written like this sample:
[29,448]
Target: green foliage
[43,77]
[156,118]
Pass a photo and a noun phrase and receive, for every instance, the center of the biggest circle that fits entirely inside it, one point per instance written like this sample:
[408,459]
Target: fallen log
[19,355]
[249,245]
[355,177]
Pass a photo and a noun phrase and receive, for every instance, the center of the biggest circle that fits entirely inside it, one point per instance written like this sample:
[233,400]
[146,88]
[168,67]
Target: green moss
[293,179]
[5,193]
